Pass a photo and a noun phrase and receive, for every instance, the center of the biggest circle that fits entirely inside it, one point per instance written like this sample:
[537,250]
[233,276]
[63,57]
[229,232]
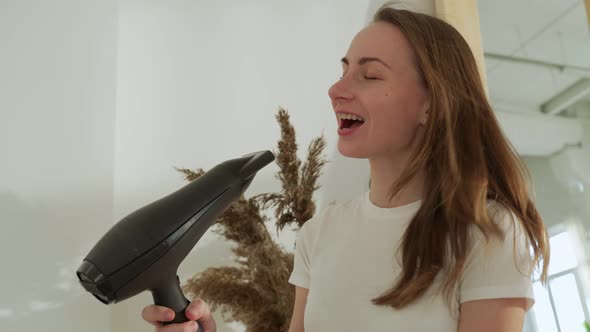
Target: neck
[384,172]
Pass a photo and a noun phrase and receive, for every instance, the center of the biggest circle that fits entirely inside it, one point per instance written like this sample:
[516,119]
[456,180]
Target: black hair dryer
[143,250]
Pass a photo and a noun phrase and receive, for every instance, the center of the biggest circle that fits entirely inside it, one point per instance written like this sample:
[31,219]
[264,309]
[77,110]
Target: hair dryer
[143,250]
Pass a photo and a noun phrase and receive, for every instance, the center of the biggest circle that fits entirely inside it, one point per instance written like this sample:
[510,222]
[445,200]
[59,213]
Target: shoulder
[512,245]
[498,266]
[499,215]
[508,222]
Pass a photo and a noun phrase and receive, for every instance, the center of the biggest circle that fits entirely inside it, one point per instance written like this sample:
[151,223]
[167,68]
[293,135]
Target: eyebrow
[365,60]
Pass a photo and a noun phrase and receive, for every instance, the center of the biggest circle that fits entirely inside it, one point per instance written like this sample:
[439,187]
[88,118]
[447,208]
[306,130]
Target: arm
[298,309]
[494,315]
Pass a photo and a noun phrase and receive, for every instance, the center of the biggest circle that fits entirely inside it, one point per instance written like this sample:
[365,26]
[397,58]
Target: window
[560,305]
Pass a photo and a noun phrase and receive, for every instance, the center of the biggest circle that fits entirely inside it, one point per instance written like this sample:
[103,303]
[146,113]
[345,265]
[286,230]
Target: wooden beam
[587,4]
[463,15]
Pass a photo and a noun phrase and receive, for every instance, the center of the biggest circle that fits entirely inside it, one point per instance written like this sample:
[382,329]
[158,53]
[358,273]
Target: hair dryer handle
[171,296]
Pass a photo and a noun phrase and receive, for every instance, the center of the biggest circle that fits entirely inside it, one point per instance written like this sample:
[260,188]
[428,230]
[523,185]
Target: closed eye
[365,77]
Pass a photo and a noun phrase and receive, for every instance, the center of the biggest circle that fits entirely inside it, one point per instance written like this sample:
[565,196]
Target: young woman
[446,238]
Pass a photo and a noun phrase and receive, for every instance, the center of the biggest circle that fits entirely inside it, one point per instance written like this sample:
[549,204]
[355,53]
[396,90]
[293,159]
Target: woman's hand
[197,310]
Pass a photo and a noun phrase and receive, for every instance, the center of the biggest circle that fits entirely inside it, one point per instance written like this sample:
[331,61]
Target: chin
[351,151]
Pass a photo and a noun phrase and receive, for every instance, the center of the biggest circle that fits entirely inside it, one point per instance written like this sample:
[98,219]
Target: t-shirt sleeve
[304,244]
[499,268]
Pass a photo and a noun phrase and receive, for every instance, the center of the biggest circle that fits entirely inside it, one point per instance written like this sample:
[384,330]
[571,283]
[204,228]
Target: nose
[340,92]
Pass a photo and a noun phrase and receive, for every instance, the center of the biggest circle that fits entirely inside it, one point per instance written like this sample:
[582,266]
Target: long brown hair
[467,159]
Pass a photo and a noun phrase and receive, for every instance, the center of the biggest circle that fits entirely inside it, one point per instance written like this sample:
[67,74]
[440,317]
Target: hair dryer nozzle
[257,161]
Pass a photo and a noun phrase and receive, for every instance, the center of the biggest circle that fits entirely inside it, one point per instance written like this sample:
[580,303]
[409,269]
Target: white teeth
[350,117]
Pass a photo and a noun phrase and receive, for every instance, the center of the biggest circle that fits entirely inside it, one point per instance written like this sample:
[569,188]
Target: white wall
[562,182]
[200,82]
[57,109]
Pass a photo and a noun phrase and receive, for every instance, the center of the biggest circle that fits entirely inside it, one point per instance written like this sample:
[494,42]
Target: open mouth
[349,121]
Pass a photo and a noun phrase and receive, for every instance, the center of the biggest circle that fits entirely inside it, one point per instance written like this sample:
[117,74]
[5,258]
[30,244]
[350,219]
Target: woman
[441,240]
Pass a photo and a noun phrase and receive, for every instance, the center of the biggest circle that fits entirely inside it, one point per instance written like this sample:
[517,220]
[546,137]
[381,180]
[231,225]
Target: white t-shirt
[346,256]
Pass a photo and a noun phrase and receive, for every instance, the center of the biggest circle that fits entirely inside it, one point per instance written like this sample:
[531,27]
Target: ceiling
[535,51]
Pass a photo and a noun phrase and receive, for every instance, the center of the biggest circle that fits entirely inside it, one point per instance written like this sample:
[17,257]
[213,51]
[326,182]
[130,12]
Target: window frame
[575,271]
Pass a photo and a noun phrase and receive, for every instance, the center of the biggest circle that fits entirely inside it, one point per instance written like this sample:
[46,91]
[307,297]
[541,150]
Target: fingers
[154,314]
[189,326]
[199,310]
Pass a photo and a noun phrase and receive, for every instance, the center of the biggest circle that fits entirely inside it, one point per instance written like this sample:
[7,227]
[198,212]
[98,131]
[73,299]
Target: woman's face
[380,83]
